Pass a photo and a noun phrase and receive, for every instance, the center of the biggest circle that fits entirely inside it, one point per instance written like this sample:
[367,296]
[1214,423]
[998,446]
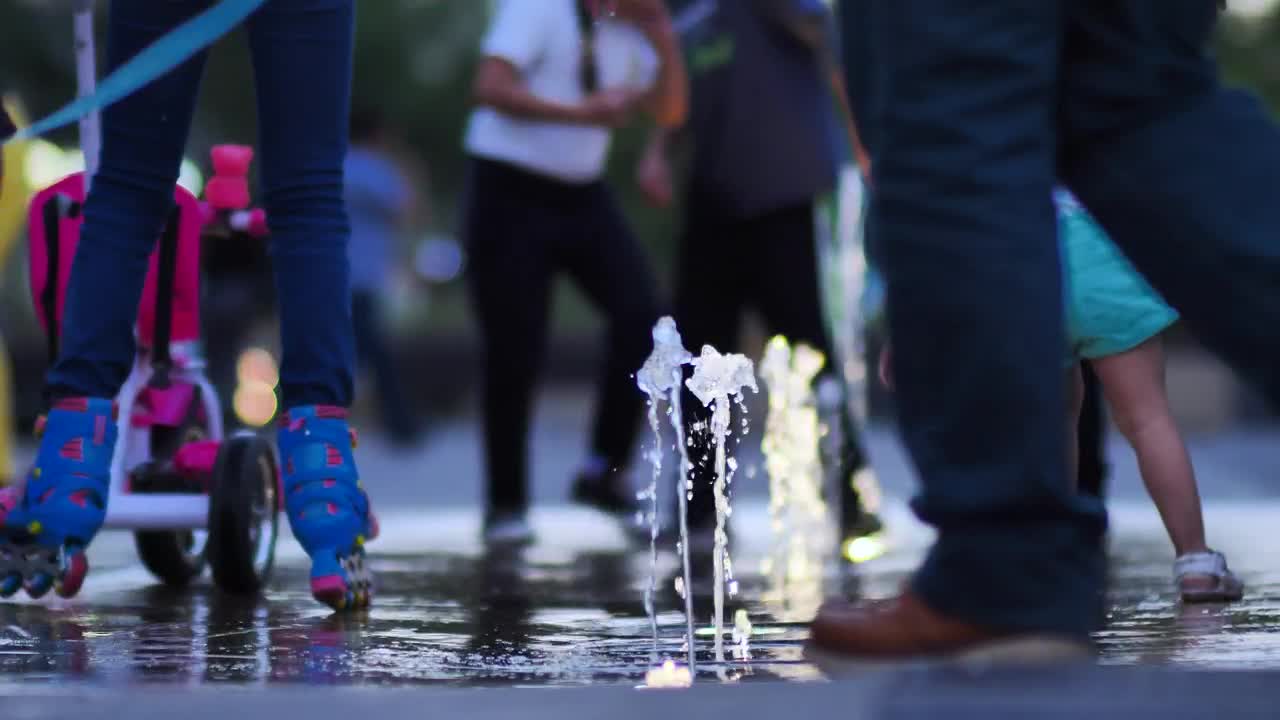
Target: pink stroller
[190,494]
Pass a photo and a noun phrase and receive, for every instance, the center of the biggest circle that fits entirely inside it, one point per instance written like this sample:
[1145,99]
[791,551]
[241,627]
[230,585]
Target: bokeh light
[863,549]
[257,365]
[438,260]
[255,402]
[190,177]
[47,163]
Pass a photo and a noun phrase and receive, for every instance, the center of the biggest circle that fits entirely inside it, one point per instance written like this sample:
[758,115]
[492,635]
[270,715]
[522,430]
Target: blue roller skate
[327,507]
[64,501]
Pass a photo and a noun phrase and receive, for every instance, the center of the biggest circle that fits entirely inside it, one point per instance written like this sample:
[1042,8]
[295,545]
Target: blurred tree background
[414,61]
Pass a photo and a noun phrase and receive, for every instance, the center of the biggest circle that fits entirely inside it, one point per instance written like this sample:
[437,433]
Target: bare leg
[1133,382]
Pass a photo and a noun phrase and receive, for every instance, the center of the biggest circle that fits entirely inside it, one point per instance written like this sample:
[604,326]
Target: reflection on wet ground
[493,619]
[565,612]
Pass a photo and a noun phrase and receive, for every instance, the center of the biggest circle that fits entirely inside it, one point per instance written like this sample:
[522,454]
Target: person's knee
[311,207]
[123,202]
[1137,417]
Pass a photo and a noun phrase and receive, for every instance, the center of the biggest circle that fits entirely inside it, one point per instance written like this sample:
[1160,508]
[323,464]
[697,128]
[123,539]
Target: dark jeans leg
[1182,172]
[609,264]
[785,288]
[861,71]
[226,305]
[143,137]
[964,172]
[709,305]
[302,56]
[371,346]
[510,274]
[1091,437]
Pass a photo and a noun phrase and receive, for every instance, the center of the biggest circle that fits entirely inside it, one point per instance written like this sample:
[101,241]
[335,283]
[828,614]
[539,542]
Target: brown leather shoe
[904,628]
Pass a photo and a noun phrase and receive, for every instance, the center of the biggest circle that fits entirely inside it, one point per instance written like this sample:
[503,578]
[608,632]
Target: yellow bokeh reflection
[256,365]
[47,163]
[668,675]
[254,403]
[863,549]
[797,510]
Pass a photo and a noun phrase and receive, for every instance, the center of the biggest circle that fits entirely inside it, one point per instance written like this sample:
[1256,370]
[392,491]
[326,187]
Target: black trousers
[372,350]
[1091,437]
[523,229]
[729,265]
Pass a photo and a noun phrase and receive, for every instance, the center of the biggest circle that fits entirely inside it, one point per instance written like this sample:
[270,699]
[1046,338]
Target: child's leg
[302,56]
[1133,382]
[143,136]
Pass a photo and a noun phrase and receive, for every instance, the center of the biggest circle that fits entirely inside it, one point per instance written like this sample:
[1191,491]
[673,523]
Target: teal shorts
[1110,307]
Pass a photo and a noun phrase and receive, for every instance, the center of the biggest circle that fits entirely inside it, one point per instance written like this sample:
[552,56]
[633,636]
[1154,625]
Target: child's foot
[49,523]
[328,509]
[1204,577]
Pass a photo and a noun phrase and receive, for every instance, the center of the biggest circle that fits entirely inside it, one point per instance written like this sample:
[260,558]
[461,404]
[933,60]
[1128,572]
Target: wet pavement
[569,612]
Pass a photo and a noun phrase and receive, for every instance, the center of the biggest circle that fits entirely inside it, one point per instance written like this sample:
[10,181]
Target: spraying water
[716,380]
[660,378]
[793,459]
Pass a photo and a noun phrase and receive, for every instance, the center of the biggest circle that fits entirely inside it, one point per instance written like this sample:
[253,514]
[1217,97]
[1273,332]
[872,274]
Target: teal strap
[159,58]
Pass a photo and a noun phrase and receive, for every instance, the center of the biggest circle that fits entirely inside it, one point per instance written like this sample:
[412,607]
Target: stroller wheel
[244,516]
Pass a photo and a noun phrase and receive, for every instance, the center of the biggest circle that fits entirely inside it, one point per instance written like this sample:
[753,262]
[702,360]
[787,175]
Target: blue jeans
[979,109]
[302,56]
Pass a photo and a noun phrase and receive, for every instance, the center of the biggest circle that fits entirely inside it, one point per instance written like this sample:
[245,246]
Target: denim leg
[302,58]
[965,162]
[143,137]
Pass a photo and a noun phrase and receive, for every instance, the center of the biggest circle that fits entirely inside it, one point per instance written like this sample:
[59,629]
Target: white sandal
[1207,564]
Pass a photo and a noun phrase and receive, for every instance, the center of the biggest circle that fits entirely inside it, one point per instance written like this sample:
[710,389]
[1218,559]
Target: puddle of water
[563,615]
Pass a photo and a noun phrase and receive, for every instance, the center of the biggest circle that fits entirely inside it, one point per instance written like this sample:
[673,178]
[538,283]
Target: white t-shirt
[542,40]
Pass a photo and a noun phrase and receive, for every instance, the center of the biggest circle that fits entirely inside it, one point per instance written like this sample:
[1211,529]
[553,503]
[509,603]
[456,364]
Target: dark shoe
[904,628]
[607,493]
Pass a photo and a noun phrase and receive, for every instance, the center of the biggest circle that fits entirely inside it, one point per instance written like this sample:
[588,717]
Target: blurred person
[1116,99]
[1114,326]
[380,201]
[551,86]
[764,149]
[302,57]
